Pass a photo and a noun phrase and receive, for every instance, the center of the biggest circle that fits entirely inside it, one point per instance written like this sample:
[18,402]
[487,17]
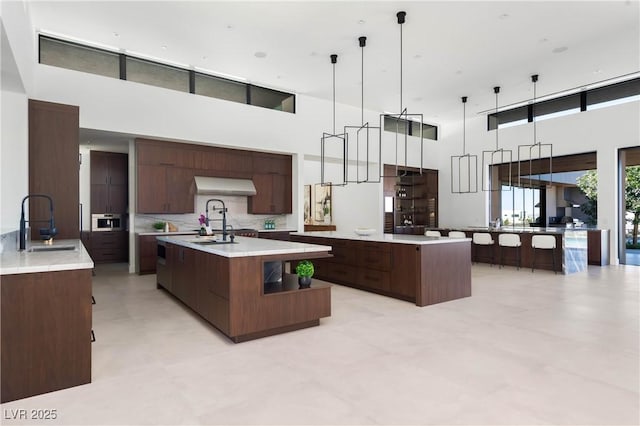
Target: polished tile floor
[526,348]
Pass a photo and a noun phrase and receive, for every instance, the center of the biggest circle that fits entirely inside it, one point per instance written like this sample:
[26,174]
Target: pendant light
[499,157]
[334,145]
[405,122]
[465,164]
[364,136]
[532,155]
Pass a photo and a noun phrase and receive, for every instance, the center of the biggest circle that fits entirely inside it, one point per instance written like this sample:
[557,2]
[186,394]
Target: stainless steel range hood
[223,186]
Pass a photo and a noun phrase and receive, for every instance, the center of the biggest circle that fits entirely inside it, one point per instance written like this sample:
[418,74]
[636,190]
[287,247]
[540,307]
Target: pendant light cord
[464,124]
[334,98]
[401,103]
[362,83]
[496,90]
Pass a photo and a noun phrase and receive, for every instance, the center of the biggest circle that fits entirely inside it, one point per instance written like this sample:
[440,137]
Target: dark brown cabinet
[109,246]
[165,172]
[109,182]
[165,189]
[46,332]
[54,166]
[147,254]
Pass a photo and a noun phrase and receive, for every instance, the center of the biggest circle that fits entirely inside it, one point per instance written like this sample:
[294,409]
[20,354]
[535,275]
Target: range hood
[223,186]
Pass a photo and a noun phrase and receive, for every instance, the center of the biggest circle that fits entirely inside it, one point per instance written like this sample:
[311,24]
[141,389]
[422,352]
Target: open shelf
[290,284]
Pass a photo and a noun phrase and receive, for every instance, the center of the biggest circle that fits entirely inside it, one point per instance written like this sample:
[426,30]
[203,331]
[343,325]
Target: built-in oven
[106,222]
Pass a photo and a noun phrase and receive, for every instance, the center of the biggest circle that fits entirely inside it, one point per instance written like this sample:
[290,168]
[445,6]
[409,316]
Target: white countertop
[158,233]
[25,262]
[245,246]
[383,238]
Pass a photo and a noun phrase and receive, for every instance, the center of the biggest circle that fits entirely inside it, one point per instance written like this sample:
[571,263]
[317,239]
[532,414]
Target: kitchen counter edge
[24,262]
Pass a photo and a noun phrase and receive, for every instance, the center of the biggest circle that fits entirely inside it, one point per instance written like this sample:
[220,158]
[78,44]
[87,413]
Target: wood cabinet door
[180,196]
[99,167]
[53,166]
[118,198]
[152,189]
[262,202]
[118,169]
[100,198]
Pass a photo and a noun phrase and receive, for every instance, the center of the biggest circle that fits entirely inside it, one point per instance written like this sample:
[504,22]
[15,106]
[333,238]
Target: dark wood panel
[54,166]
[46,332]
[147,254]
[445,273]
[152,193]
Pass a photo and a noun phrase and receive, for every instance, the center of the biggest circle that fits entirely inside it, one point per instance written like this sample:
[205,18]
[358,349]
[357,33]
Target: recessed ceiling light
[598,71]
[116,35]
[163,47]
[204,58]
[418,56]
[229,27]
[504,16]
[560,49]
[260,54]
[362,21]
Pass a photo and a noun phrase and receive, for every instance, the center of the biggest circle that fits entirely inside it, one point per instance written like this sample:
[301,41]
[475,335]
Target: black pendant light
[497,157]
[365,136]
[464,168]
[334,145]
[406,123]
[532,158]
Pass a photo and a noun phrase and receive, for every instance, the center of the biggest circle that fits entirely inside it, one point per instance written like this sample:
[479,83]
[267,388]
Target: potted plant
[305,272]
[159,226]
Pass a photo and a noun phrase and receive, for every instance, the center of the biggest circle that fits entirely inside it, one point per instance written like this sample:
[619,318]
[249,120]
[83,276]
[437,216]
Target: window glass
[272,99]
[412,128]
[220,88]
[155,74]
[79,58]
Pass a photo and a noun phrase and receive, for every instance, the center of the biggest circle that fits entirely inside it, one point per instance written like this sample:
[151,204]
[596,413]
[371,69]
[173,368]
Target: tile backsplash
[9,241]
[237,216]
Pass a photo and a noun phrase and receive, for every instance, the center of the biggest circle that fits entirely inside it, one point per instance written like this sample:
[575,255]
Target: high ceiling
[450,48]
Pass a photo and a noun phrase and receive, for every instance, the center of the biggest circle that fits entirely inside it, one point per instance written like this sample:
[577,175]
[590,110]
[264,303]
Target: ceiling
[450,48]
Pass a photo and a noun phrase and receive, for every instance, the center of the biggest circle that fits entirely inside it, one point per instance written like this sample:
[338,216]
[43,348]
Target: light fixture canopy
[333,145]
[465,163]
[364,136]
[405,121]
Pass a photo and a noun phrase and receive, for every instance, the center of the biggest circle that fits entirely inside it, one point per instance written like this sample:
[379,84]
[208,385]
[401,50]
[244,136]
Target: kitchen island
[419,269]
[46,318]
[570,254]
[225,284]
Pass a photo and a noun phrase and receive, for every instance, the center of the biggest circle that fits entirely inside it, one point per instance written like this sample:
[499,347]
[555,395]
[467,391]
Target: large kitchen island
[419,269]
[226,283]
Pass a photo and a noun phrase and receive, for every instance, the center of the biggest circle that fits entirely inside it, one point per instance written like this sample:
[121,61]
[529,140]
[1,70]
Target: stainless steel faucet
[46,234]
[222,210]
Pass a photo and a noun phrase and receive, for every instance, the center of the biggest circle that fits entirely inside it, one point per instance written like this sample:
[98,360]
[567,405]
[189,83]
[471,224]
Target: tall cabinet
[109,182]
[412,200]
[54,133]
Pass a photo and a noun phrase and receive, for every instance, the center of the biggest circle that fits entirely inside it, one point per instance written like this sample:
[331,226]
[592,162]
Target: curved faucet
[223,212]
[23,223]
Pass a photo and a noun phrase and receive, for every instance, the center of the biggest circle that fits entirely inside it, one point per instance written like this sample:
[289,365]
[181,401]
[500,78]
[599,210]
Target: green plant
[305,269]
[159,225]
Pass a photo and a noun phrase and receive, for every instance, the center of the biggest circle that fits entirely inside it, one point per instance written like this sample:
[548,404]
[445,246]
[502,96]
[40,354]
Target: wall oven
[106,222]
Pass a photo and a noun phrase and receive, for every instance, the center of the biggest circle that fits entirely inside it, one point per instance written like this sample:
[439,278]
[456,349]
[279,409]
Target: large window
[520,206]
[587,100]
[78,57]
[410,127]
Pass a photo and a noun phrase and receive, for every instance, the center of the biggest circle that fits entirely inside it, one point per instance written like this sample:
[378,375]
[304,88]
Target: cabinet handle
[93,336]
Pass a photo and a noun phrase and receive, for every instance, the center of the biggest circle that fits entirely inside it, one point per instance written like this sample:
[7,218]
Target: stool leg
[553,253]
[518,254]
[533,264]
[501,257]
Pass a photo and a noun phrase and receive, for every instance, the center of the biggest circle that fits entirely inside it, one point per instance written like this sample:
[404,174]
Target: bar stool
[432,234]
[544,242]
[483,239]
[457,234]
[509,240]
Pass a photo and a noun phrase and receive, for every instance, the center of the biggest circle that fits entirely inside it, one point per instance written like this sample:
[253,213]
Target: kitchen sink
[35,249]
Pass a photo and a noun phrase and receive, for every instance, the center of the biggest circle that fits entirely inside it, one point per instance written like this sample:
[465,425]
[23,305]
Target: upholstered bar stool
[509,240]
[483,239]
[544,242]
[432,234]
[457,234]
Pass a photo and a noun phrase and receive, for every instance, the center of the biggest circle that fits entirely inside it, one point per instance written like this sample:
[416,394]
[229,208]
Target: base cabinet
[230,293]
[421,273]
[46,332]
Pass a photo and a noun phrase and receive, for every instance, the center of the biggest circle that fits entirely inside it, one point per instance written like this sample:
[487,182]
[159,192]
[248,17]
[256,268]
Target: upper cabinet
[165,172]
[272,178]
[109,182]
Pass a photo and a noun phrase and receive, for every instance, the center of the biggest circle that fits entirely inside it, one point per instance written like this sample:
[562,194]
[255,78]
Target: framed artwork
[307,204]
[322,202]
